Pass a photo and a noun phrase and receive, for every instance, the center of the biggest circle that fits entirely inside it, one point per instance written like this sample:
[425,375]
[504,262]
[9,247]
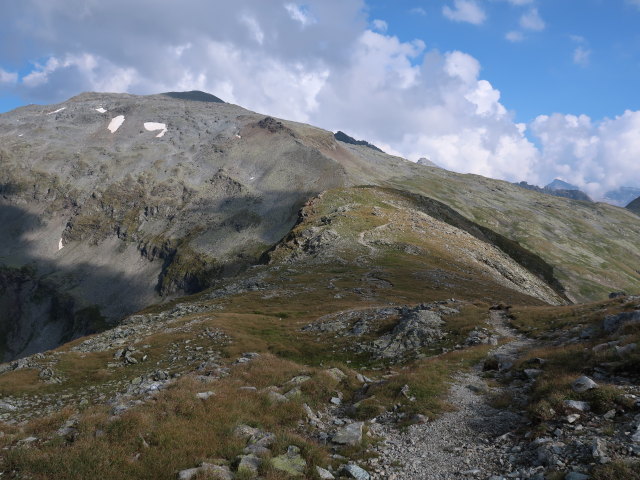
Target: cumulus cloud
[581,56]
[596,156]
[514,36]
[380,25]
[531,20]
[300,13]
[468,11]
[418,11]
[8,78]
[520,2]
[316,62]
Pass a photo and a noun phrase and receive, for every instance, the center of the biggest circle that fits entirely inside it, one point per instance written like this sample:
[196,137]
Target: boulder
[275,397]
[291,462]
[249,464]
[335,373]
[324,474]
[354,471]
[204,395]
[349,435]
[611,323]
[583,384]
[577,405]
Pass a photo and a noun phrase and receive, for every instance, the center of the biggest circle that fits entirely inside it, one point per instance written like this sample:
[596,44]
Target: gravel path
[459,444]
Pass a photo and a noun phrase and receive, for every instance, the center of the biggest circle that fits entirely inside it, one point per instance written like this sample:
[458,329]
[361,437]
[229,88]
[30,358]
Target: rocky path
[464,443]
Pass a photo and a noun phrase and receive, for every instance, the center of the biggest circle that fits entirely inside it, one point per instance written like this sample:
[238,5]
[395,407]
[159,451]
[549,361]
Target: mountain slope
[634,206]
[116,202]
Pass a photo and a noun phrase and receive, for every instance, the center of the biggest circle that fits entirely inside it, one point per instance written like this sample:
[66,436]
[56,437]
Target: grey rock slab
[354,471]
[577,405]
[291,462]
[572,418]
[583,384]
[299,380]
[205,395]
[611,323]
[349,435]
[249,463]
[275,397]
[324,474]
[219,472]
[188,473]
[335,373]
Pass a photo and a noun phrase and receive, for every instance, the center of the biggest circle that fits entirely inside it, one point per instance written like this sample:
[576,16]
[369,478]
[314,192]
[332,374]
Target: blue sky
[538,74]
[513,89]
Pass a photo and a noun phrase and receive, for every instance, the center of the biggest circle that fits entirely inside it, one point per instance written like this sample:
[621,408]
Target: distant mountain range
[558,188]
[622,196]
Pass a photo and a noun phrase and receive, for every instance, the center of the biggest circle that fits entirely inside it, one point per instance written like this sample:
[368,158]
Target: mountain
[426,162]
[634,206]
[343,137]
[622,196]
[216,293]
[112,203]
[558,184]
[572,193]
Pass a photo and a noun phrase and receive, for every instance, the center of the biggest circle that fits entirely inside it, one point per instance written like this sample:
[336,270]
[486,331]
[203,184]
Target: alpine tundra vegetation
[190,290]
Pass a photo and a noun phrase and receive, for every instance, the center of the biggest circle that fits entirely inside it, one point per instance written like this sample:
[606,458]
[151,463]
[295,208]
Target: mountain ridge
[169,213]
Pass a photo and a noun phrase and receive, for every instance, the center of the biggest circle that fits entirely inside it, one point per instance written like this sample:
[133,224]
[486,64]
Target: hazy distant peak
[558,184]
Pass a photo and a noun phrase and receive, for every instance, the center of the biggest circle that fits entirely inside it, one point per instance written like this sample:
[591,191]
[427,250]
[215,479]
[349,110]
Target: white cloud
[596,156]
[520,2]
[418,11]
[254,28]
[531,20]
[338,75]
[634,2]
[300,13]
[8,78]
[465,11]
[380,25]
[581,56]
[514,36]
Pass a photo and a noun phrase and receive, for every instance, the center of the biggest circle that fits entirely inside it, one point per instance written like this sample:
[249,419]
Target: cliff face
[121,201]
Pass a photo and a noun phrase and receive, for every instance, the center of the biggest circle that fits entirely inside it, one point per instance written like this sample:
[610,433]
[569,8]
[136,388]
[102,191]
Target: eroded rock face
[414,329]
[118,216]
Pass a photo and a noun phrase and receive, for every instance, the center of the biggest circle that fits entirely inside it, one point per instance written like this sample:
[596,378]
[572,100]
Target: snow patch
[238,136]
[60,245]
[56,111]
[115,123]
[20,134]
[101,110]
[153,126]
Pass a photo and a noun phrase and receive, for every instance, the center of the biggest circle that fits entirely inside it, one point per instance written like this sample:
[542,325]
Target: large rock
[577,405]
[291,462]
[324,474]
[249,464]
[349,435]
[354,471]
[611,323]
[583,384]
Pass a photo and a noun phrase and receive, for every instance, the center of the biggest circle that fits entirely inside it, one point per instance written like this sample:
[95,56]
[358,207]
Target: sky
[521,90]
